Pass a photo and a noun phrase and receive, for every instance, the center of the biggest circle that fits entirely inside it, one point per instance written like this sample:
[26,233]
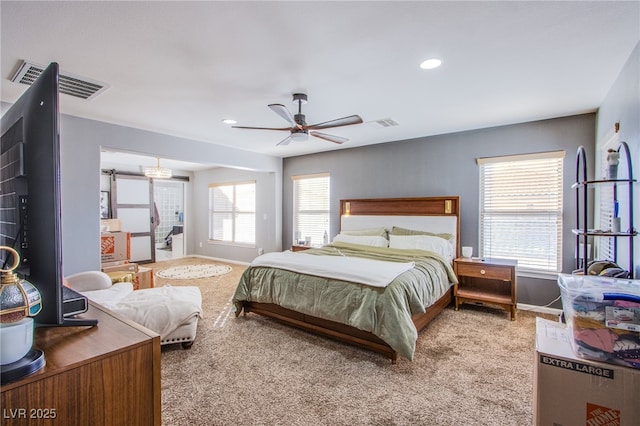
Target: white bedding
[160,309]
[374,273]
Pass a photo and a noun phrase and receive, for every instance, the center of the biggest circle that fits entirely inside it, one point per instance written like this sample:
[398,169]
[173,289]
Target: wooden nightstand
[491,281]
[300,248]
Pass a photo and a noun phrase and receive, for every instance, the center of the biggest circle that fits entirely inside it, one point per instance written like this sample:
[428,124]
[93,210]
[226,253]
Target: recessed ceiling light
[229,121]
[430,64]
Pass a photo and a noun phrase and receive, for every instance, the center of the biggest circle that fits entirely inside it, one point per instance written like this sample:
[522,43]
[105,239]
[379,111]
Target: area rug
[193,271]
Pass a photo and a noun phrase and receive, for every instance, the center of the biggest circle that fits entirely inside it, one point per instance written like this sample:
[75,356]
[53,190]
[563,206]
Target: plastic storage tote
[603,315]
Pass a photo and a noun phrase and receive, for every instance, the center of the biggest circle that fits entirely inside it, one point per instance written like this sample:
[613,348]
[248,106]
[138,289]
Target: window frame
[234,212]
[552,208]
[316,236]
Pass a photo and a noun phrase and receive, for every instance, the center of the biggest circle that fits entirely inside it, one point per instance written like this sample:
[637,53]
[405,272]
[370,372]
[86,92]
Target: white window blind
[311,207]
[232,212]
[521,210]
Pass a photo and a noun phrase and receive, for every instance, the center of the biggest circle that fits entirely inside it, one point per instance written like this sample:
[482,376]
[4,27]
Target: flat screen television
[30,201]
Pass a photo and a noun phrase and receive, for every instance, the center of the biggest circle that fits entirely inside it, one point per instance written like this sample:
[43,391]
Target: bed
[327,290]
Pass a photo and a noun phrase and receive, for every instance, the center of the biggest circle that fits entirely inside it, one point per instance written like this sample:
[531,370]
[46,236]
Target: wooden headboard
[448,207]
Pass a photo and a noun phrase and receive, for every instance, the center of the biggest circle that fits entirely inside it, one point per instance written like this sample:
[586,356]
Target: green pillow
[396,230]
[370,232]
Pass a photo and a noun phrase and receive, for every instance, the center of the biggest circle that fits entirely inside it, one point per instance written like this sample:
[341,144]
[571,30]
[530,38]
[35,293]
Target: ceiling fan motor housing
[300,119]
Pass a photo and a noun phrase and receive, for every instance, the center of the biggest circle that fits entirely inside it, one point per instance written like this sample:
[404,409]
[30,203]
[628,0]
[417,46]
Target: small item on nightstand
[467,252]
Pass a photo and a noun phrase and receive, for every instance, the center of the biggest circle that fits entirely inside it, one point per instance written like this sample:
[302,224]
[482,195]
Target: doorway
[169,206]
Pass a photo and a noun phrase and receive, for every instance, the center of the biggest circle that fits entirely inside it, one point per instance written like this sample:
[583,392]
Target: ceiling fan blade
[284,141]
[283,112]
[262,128]
[344,121]
[330,138]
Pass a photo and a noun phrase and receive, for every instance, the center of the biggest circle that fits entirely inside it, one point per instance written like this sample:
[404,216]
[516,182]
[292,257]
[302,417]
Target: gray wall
[446,165]
[81,140]
[622,105]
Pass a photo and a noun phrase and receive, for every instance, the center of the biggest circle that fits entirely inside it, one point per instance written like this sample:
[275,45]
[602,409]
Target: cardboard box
[110,225]
[115,246]
[571,391]
[114,263]
[145,277]
[120,266]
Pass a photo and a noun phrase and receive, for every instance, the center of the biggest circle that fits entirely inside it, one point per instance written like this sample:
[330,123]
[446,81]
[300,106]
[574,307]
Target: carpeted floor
[471,367]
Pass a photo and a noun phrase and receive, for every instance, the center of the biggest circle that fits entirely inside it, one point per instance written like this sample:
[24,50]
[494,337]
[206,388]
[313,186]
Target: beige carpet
[472,367]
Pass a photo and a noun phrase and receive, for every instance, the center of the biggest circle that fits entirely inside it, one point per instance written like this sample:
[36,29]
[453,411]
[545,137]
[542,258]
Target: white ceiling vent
[384,122]
[70,84]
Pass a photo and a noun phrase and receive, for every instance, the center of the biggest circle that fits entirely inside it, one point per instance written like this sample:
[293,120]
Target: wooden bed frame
[424,206]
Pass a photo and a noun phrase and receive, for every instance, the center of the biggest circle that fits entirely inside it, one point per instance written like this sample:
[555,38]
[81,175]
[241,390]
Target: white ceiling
[180,68]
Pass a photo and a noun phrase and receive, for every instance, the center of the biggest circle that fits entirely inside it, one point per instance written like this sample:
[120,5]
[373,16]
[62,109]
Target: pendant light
[157,172]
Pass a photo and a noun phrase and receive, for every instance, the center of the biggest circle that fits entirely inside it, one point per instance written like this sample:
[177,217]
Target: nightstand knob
[482,271]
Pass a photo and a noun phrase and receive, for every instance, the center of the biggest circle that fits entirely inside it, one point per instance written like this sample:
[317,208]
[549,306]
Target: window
[232,212]
[311,207]
[521,210]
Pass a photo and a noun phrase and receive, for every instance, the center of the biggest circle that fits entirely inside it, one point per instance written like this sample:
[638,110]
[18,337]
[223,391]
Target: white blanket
[375,273]
[160,309]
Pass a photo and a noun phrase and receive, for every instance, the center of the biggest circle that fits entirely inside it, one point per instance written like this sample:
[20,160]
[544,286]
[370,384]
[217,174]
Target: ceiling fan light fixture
[299,136]
[430,64]
[158,172]
[229,121]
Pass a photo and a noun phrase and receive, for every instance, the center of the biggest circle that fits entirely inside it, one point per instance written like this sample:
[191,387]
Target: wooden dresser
[103,375]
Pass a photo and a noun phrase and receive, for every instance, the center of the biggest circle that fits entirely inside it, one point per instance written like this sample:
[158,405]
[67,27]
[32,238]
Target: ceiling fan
[299,129]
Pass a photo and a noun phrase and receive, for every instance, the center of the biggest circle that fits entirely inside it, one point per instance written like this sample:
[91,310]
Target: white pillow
[366,240]
[423,242]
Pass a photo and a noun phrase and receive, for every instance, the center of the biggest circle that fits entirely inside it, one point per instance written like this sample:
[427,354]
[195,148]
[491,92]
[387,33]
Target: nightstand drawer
[480,270]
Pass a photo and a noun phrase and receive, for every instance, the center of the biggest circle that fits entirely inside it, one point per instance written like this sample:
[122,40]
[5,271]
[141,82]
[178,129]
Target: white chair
[170,311]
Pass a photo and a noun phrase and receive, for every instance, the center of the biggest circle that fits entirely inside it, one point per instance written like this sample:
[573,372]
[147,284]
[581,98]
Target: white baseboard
[541,309]
[218,259]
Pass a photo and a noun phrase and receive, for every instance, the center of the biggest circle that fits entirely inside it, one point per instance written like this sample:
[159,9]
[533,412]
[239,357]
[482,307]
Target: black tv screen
[30,200]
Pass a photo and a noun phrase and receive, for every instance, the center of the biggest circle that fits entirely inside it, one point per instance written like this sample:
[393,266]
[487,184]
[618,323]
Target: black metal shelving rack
[582,186]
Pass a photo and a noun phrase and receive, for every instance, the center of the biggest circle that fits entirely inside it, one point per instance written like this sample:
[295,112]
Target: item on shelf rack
[605,268]
[613,159]
[615,225]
